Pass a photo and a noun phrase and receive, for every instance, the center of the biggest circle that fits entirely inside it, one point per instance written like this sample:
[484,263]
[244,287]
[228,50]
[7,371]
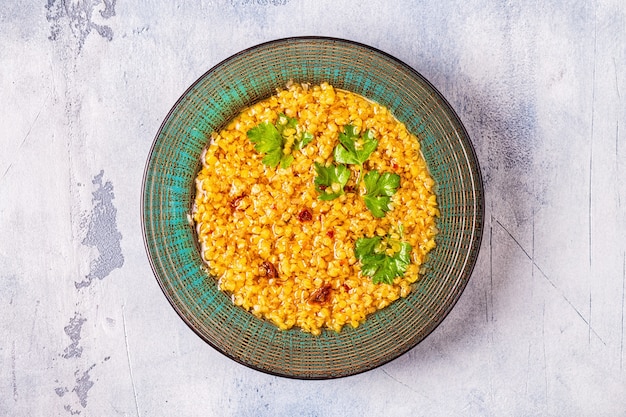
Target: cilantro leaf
[353,149]
[286,161]
[367,247]
[268,140]
[379,189]
[266,137]
[330,180]
[377,264]
[272,140]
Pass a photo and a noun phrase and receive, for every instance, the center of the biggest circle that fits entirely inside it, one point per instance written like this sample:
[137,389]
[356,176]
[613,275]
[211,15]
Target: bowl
[168,192]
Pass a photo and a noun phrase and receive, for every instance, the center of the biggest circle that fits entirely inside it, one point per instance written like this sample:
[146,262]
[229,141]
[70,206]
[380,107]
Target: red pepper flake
[395,166]
[349,189]
[305,215]
[235,202]
[268,269]
[321,295]
[330,234]
[346,287]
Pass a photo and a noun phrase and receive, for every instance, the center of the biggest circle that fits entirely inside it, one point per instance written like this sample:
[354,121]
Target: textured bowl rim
[480,200]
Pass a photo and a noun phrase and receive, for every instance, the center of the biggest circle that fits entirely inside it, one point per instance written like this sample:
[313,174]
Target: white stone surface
[541,88]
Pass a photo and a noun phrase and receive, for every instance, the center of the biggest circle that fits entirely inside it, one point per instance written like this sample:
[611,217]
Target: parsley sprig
[277,140]
[383,258]
[331,180]
[352,148]
[380,188]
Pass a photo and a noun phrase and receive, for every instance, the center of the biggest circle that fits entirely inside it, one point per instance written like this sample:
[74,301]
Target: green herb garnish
[277,140]
[354,149]
[330,180]
[382,258]
[269,141]
[379,189]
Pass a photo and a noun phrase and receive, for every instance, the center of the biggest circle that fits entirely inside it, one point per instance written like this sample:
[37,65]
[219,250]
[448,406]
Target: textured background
[541,88]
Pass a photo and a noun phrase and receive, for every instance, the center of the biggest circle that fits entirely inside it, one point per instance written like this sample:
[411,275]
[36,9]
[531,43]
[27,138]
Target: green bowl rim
[480,200]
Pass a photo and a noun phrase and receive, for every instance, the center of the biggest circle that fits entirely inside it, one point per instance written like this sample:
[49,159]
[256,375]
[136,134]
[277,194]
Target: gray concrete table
[541,88]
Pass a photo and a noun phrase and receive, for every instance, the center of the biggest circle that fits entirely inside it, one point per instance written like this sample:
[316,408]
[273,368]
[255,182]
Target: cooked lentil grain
[298,269]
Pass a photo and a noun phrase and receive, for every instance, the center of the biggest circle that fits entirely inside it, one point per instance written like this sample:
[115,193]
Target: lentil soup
[285,229]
